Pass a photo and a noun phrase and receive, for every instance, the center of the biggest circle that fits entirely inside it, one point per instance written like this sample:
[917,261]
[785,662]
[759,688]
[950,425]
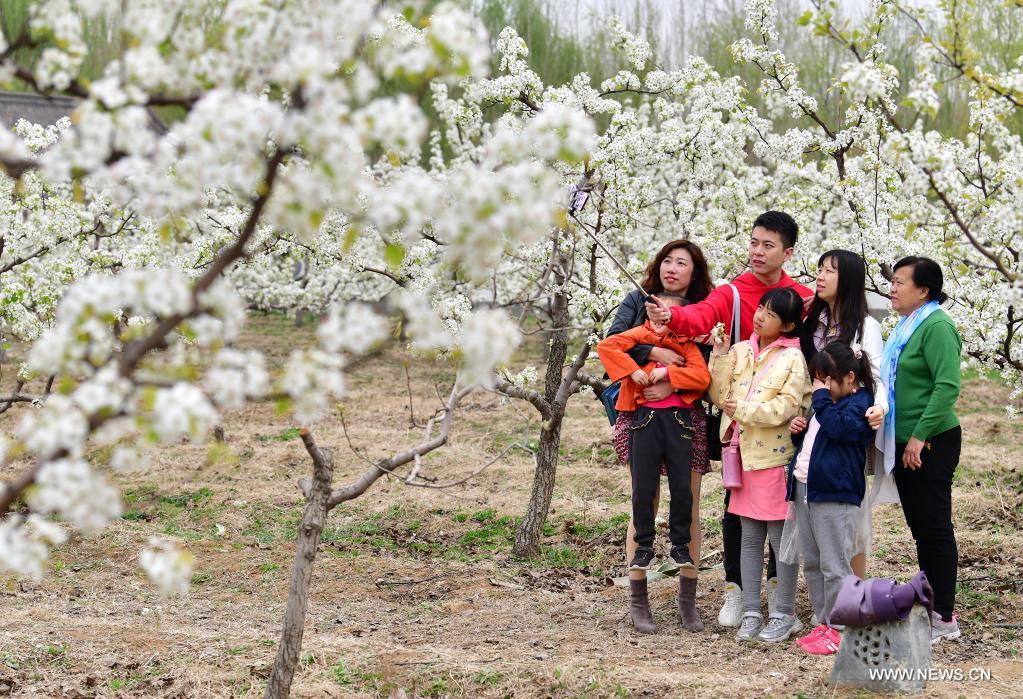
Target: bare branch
[526,394]
[593,382]
[473,474]
[385,273]
[564,390]
[348,438]
[19,399]
[387,466]
[13,489]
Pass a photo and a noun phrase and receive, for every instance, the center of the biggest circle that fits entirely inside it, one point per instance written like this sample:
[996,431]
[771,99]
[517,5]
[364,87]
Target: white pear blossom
[635,49]
[182,411]
[71,488]
[311,378]
[488,340]
[24,544]
[237,376]
[168,567]
[353,328]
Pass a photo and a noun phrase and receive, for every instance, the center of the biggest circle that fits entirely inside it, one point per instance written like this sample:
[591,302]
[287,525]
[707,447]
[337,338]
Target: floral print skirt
[701,462]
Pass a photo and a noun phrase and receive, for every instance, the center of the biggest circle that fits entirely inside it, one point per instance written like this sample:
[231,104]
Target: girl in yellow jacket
[773,360]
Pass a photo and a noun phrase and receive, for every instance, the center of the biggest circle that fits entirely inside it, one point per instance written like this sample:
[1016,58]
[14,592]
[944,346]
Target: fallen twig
[990,577]
[381,582]
[1001,500]
[710,555]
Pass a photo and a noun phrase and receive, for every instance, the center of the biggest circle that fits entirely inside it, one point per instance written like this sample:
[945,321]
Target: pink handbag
[731,457]
[731,462]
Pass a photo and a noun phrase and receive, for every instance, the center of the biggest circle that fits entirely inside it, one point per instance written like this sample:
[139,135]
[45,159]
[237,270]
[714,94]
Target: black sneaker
[643,558]
[680,554]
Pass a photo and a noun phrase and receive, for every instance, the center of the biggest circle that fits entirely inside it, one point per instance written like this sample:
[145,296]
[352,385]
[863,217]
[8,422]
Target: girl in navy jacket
[825,479]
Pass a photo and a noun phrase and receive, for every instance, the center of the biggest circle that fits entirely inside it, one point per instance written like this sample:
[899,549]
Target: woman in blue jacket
[826,482]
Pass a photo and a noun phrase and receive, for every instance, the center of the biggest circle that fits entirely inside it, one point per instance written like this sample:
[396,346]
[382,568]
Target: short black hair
[782,224]
[926,274]
[788,305]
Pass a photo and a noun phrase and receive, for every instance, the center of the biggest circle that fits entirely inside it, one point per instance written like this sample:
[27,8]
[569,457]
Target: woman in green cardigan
[921,438]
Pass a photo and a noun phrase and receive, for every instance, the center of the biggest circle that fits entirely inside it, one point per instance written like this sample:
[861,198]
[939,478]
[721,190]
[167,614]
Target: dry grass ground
[415,592]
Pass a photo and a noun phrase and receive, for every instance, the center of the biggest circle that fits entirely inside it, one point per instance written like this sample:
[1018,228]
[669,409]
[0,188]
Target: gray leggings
[754,532]
[826,534]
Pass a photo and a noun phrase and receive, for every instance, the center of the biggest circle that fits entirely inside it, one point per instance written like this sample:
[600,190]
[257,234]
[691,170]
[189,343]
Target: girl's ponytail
[864,373]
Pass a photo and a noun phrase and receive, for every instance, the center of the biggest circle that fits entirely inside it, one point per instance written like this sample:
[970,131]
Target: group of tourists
[796,392]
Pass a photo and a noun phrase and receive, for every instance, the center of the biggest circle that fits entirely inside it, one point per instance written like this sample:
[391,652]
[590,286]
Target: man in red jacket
[772,243]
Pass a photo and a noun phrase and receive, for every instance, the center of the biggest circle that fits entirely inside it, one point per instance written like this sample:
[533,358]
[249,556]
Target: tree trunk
[317,506]
[530,530]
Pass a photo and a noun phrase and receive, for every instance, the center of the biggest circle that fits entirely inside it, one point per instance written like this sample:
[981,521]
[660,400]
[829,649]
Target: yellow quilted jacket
[784,393]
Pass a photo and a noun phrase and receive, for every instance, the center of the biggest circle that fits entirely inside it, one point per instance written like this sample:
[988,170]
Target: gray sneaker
[779,628]
[751,624]
[944,630]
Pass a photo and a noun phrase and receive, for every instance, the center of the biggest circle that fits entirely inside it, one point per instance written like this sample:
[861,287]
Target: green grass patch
[974,373]
[284,436]
[438,687]
[145,493]
[563,557]
[487,515]
[711,525]
[972,598]
[185,499]
[598,528]
[494,532]
[11,661]
[358,678]
[487,679]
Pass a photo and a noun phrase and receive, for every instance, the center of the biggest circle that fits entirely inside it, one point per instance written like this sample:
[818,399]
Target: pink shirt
[802,467]
[673,400]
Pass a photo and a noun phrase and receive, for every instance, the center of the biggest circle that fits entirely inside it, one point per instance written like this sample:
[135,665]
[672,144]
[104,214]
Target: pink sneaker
[825,644]
[812,636]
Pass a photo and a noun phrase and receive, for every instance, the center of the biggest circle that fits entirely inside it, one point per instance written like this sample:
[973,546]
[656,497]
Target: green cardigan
[927,383]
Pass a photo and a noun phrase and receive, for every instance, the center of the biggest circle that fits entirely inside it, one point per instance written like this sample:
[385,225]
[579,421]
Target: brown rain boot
[639,607]
[687,611]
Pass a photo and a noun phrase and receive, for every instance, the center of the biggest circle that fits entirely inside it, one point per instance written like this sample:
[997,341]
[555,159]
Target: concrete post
[886,657]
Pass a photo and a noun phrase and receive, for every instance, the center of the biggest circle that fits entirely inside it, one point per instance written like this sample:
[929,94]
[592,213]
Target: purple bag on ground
[879,600]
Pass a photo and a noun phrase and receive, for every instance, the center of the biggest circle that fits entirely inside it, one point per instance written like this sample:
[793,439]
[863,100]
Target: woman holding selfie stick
[678,268]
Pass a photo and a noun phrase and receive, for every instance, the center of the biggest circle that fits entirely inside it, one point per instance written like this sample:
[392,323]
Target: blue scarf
[889,369]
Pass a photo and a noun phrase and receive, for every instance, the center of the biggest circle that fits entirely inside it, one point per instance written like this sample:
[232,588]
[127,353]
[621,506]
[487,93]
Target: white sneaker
[731,611]
[772,593]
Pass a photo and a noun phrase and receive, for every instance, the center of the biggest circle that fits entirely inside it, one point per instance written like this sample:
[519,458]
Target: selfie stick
[577,200]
